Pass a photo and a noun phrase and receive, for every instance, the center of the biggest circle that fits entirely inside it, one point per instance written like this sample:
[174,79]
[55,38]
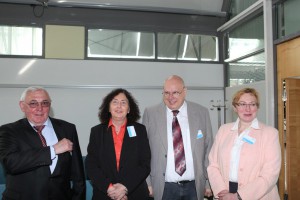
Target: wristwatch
[238,196]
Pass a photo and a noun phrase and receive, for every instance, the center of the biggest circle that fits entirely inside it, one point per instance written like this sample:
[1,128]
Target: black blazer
[27,162]
[134,166]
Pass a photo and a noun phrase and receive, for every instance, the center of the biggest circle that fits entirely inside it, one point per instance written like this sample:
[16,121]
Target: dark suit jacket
[134,162]
[27,162]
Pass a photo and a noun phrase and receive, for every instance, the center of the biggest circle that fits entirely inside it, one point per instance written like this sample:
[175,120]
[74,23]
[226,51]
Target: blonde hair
[239,93]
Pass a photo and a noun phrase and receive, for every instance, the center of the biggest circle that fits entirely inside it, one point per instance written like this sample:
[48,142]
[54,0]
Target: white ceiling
[203,7]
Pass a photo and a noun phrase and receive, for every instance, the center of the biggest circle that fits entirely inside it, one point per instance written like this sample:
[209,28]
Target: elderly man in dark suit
[180,137]
[41,155]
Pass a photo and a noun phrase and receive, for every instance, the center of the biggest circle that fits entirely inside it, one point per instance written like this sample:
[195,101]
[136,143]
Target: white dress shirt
[236,149]
[171,175]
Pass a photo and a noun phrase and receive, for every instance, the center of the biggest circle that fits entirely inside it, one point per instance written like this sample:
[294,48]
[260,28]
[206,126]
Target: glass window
[173,46]
[103,43]
[248,70]
[15,40]
[238,6]
[246,58]
[246,38]
[291,17]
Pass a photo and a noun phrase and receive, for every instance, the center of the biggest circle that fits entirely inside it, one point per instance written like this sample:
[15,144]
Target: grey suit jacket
[155,120]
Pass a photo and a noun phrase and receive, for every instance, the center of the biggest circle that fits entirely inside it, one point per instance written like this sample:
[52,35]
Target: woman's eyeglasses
[246,105]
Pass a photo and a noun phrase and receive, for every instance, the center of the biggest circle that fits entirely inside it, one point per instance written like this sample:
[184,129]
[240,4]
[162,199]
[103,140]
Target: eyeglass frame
[174,94]
[245,105]
[36,104]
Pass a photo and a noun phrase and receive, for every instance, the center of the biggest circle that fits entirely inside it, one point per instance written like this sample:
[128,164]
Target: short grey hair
[33,89]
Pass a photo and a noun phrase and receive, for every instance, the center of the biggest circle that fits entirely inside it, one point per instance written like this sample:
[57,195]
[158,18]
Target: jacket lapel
[125,147]
[60,134]
[29,134]
[58,129]
[109,146]
[163,133]
[193,124]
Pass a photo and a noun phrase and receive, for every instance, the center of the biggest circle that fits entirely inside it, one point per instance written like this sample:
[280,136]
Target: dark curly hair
[104,114]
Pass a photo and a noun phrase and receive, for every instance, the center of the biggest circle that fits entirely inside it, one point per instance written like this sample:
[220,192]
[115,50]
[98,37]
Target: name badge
[249,139]
[199,134]
[131,131]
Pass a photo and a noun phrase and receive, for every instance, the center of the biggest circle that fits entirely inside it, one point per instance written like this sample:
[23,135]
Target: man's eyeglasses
[35,104]
[174,94]
[246,105]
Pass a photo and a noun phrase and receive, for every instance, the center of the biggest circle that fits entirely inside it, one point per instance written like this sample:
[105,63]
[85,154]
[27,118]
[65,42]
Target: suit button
[165,155]
[163,174]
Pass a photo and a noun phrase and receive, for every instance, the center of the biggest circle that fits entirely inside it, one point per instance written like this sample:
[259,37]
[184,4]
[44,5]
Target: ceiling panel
[202,7]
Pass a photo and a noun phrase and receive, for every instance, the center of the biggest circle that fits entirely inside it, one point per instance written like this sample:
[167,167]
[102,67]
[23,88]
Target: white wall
[78,86]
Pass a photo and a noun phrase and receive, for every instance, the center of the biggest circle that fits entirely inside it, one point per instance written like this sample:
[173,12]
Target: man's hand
[63,146]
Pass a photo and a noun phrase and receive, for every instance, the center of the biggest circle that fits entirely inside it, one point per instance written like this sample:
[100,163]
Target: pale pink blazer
[259,163]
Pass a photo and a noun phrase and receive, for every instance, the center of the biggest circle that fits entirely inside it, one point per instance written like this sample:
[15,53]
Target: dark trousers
[180,191]
[233,187]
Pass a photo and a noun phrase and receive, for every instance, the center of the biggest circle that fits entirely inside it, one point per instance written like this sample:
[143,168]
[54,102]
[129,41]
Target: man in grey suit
[165,182]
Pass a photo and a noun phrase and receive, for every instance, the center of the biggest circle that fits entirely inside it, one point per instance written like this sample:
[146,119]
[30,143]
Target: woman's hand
[207,192]
[225,195]
[117,192]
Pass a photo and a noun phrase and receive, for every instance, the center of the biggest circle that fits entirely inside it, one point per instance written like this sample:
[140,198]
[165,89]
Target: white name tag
[131,131]
[249,139]
[199,134]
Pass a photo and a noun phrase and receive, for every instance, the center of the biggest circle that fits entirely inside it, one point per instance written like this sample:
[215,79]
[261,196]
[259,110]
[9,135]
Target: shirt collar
[46,123]
[111,124]
[254,124]
[182,110]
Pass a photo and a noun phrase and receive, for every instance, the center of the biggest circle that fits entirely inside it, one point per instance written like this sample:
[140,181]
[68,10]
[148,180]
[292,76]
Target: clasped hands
[225,195]
[117,192]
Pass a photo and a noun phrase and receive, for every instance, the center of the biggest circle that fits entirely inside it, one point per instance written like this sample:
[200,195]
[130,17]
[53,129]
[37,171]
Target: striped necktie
[39,131]
[180,165]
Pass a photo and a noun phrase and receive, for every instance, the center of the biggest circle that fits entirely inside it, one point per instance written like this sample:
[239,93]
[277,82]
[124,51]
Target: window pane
[287,18]
[249,70]
[187,47]
[291,16]
[246,39]
[238,6]
[21,41]
[120,44]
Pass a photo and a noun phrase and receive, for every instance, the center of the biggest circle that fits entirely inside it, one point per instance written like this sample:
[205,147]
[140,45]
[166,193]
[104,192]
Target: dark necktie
[39,131]
[180,165]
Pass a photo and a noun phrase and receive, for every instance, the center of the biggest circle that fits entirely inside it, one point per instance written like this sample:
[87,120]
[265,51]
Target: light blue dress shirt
[51,139]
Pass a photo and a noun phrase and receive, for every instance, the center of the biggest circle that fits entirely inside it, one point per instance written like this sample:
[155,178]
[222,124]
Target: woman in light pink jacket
[245,159]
